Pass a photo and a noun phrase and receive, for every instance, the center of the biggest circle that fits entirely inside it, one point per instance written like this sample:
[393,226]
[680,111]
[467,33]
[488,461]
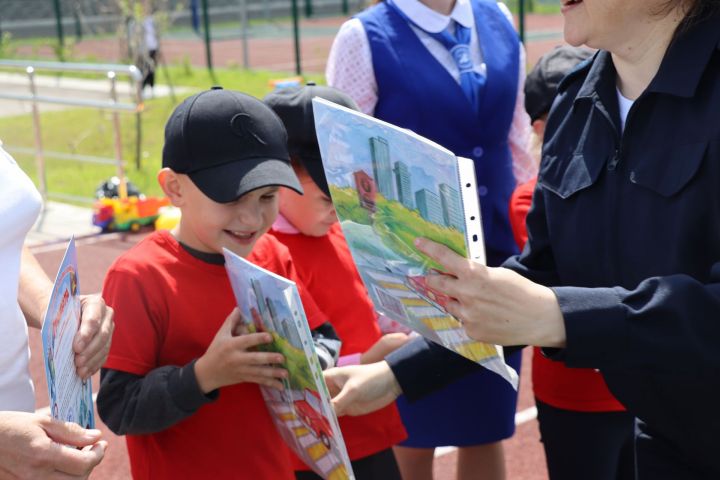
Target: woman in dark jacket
[622,267]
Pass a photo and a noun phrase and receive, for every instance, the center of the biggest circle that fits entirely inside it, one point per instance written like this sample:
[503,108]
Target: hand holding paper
[33,446]
[70,394]
[229,359]
[496,305]
[301,408]
[92,341]
[361,389]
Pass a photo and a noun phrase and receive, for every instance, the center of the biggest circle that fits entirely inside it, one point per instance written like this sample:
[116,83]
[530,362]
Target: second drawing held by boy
[180,380]
[308,226]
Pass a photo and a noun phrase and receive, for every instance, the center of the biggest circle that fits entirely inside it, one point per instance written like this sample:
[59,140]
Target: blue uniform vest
[416,92]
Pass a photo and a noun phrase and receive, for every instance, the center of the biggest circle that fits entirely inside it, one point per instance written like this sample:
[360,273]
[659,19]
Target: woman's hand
[94,336]
[36,446]
[496,305]
[361,389]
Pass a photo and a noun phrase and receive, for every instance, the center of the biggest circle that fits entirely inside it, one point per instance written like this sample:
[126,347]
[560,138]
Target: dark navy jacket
[626,229]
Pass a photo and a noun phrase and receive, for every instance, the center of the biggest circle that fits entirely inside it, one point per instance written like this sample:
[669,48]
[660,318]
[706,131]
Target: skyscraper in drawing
[382,170]
[451,209]
[429,206]
[403,184]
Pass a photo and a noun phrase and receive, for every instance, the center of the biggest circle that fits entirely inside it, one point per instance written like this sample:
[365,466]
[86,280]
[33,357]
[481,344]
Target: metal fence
[111,103]
[278,35]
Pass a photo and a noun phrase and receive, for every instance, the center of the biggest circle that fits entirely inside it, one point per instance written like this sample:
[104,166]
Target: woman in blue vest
[452,71]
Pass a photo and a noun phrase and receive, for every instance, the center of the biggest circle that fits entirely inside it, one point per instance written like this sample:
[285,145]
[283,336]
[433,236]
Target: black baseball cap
[229,144]
[542,81]
[294,107]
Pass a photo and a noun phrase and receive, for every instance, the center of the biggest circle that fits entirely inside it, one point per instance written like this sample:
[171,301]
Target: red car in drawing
[418,283]
[310,413]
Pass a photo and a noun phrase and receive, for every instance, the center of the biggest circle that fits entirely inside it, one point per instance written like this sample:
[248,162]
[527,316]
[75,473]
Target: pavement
[60,221]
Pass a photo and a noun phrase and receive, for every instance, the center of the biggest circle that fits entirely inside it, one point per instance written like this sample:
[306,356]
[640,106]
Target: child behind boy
[307,225]
[179,380]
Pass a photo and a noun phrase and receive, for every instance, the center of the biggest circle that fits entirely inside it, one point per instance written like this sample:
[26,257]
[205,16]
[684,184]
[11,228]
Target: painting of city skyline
[390,186]
[301,411]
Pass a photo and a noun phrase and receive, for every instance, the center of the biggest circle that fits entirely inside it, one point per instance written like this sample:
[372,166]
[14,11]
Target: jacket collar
[687,58]
[601,77]
[599,87]
[680,71]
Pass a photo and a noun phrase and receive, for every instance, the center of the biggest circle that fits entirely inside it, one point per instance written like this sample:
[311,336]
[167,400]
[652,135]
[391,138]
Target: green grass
[300,374]
[348,207]
[545,7]
[90,132]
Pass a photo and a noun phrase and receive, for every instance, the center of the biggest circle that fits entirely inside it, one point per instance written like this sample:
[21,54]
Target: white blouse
[350,68]
[20,205]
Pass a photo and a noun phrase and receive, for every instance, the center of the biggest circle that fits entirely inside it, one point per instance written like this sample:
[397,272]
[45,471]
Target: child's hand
[228,360]
[387,344]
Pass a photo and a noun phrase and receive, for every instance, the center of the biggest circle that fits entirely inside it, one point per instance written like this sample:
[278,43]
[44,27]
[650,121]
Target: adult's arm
[422,367]
[350,68]
[34,290]
[666,323]
[417,369]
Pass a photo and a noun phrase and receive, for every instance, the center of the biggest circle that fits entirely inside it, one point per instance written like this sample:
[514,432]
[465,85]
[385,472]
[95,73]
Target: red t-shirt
[579,389]
[325,266]
[168,308]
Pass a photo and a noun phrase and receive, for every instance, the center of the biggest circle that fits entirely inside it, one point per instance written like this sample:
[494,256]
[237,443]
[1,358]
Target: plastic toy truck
[127,214]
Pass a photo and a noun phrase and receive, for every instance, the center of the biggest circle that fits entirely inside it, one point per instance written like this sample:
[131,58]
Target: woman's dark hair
[698,11]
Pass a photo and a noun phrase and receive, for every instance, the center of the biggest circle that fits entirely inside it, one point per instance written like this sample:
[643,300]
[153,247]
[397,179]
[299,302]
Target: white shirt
[350,68]
[20,205]
[151,41]
[625,105]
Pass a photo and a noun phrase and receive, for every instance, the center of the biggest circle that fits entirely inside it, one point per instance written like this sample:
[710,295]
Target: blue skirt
[477,409]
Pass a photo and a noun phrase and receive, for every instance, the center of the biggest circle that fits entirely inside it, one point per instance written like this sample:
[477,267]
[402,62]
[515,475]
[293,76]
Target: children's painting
[389,187]
[301,410]
[70,396]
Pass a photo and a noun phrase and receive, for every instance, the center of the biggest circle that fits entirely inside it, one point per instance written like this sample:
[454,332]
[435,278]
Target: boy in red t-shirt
[181,381]
[586,432]
[308,226]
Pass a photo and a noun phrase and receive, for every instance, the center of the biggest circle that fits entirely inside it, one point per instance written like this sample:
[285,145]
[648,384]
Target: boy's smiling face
[209,226]
[312,213]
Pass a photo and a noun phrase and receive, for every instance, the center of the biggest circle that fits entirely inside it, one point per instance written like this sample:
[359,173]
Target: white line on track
[90,240]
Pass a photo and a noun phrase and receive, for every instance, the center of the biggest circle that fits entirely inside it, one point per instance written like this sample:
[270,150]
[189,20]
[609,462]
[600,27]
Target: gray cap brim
[226,183]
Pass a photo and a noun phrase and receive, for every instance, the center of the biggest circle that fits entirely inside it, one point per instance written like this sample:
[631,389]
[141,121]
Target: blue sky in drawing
[344,136]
